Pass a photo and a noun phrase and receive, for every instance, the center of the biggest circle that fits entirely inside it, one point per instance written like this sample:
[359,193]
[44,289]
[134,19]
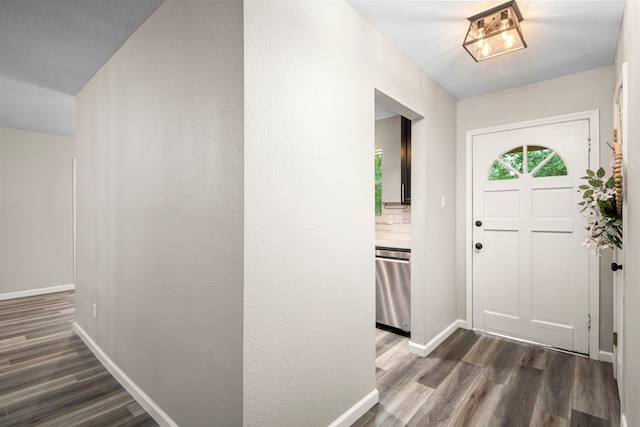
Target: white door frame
[593,117]
[619,370]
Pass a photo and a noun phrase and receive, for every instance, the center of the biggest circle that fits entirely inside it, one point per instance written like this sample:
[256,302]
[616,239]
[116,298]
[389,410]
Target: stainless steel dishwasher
[393,289]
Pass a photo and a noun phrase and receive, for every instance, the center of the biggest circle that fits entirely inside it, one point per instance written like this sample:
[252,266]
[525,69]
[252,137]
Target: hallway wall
[191,240]
[36,240]
[160,210]
[310,73]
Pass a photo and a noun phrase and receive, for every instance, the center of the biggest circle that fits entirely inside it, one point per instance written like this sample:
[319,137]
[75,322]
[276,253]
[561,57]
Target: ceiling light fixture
[495,32]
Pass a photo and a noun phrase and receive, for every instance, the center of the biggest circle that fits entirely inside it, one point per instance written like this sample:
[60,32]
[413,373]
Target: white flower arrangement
[599,208]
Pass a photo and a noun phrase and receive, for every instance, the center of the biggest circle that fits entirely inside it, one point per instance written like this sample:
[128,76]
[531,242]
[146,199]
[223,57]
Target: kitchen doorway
[395,224]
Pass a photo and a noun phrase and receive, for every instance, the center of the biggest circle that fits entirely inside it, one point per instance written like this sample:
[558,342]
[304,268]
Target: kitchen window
[377,157]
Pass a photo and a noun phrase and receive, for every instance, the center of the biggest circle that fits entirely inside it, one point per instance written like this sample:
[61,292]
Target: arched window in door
[540,162]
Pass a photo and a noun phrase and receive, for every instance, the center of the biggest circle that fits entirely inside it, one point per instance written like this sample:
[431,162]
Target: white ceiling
[563,37]
[60,44]
[49,49]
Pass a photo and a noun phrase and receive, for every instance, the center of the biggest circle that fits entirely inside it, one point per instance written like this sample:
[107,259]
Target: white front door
[530,272]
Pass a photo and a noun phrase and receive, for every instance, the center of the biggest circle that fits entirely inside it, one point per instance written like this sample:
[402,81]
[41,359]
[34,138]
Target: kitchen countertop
[399,244]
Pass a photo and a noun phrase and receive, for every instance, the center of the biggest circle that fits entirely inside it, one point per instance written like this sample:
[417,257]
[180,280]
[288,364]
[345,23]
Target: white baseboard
[140,396]
[356,411]
[623,421]
[418,349]
[605,356]
[39,291]
[424,350]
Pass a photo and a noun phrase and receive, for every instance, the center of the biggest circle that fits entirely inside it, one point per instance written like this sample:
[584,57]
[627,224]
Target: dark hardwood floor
[476,379]
[48,376]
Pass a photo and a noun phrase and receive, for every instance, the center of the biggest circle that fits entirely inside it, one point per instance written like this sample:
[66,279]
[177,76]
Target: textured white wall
[628,52]
[160,208]
[589,90]
[36,249]
[310,73]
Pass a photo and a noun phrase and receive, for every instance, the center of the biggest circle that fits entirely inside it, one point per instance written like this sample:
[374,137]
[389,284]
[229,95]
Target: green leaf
[617,223]
[600,172]
[587,194]
[611,182]
[590,173]
[584,187]
[595,183]
[581,203]
[616,241]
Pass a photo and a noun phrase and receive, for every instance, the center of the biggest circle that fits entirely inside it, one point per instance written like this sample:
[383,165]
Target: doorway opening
[395,219]
[528,277]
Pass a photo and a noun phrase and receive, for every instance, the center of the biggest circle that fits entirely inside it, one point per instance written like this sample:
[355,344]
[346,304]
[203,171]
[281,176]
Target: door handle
[478,245]
[478,223]
[615,267]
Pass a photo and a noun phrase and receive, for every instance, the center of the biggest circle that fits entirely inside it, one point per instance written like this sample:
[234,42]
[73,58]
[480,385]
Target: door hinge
[615,338]
[589,322]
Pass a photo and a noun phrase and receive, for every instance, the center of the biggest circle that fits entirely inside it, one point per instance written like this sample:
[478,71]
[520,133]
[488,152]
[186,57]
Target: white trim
[354,413]
[468,229]
[74,221]
[39,291]
[418,349]
[594,262]
[136,392]
[424,350]
[620,351]
[526,341]
[605,356]
[623,420]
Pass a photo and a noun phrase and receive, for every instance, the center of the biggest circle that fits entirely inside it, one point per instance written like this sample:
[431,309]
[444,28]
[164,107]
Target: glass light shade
[495,32]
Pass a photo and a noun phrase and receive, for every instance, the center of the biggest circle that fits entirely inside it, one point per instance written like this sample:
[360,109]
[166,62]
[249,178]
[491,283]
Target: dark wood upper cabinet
[405,161]
[393,139]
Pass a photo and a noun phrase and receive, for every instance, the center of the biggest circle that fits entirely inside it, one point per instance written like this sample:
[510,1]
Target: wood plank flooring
[48,376]
[477,380]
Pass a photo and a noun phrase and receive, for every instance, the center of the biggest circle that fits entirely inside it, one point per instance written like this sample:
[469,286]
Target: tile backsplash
[400,227]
